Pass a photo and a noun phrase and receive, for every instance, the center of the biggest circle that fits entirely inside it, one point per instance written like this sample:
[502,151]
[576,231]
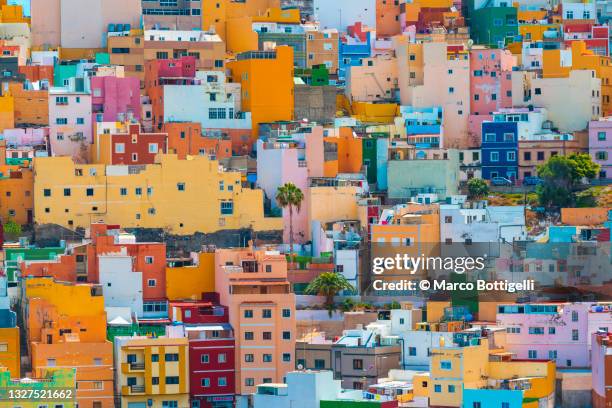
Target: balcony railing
[137,389]
[137,366]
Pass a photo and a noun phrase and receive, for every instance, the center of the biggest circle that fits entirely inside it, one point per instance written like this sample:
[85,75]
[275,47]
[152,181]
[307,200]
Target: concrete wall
[121,286]
[315,103]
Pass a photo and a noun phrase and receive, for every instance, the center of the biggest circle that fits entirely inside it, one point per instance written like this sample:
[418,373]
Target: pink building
[291,161]
[26,136]
[254,286]
[600,145]
[70,123]
[490,84]
[115,99]
[547,331]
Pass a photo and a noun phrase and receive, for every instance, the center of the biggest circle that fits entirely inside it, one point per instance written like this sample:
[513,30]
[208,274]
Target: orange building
[388,21]
[9,343]
[66,327]
[585,216]
[254,286]
[322,48]
[34,73]
[266,79]
[186,138]
[31,107]
[128,51]
[16,191]
[63,269]
[349,152]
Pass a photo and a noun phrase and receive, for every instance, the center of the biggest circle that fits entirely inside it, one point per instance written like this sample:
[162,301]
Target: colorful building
[152,370]
[266,80]
[138,197]
[600,147]
[602,366]
[10,352]
[115,99]
[128,145]
[262,313]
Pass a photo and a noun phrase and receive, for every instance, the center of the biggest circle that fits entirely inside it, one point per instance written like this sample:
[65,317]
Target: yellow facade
[181,196]
[189,282]
[535,32]
[12,13]
[7,112]
[541,374]
[375,112]
[9,350]
[150,367]
[327,204]
[582,59]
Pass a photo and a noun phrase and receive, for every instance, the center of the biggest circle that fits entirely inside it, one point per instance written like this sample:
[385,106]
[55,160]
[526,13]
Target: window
[155,380]
[249,358]
[451,90]
[67,192]
[601,155]
[267,335]
[169,404]
[536,330]
[286,357]
[357,364]
[446,365]
[180,186]
[205,382]
[221,358]
[149,260]
[540,156]
[248,314]
[494,156]
[451,388]
[267,358]
[171,357]
[286,335]
[574,315]
[552,330]
[138,191]
[227,207]
[47,192]
[412,351]
[490,137]
[508,137]
[505,405]
[527,155]
[222,381]
[61,100]
[437,388]
[286,312]
[61,121]
[151,283]
[172,379]
[123,191]
[249,382]
[510,156]
[89,191]
[80,121]
[153,147]
[119,147]
[532,354]
[552,354]
[601,136]
[476,404]
[266,313]
[319,364]
[575,336]
[248,336]
[538,91]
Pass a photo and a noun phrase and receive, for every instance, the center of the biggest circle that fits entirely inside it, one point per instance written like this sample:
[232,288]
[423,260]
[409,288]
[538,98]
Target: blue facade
[499,150]
[351,55]
[486,398]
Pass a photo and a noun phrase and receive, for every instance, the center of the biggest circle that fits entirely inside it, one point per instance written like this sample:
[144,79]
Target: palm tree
[289,196]
[328,284]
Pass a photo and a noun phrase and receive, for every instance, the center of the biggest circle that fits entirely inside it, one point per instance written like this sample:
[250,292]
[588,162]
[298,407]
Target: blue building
[423,126]
[499,150]
[351,53]
[492,398]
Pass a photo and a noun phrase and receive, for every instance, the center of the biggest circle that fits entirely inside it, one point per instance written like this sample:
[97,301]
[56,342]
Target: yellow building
[152,370]
[12,13]
[375,112]
[266,79]
[181,196]
[7,112]
[581,59]
[189,282]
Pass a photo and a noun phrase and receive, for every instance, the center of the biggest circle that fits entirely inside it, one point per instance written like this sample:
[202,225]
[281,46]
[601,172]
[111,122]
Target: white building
[304,389]
[120,285]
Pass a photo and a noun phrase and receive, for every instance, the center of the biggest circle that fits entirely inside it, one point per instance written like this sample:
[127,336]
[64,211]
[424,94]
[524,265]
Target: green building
[370,154]
[59,382]
[63,72]
[113,331]
[13,256]
[318,75]
[495,27]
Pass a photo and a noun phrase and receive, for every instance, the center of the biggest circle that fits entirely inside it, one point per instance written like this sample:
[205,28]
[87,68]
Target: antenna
[470,44]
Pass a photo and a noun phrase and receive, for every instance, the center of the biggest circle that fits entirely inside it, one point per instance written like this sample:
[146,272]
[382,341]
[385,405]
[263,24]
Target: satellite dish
[470,44]
[300,367]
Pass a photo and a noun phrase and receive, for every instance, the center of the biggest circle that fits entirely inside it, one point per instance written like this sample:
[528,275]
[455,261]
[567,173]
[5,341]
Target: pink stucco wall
[493,85]
[561,340]
[112,96]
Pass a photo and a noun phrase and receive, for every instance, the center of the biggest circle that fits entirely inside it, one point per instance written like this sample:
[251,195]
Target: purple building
[600,145]
[115,99]
[555,331]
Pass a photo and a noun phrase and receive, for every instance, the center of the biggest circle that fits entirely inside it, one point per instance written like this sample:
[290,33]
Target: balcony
[137,366]
[133,389]
[127,368]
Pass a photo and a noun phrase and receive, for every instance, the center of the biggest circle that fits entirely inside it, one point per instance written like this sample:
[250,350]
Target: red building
[594,36]
[211,351]
[129,146]
[147,257]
